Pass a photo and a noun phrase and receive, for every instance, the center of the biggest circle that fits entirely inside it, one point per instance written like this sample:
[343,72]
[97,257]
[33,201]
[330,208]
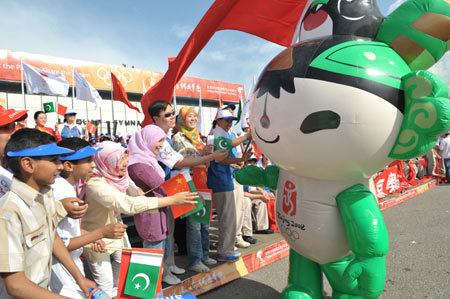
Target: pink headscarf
[141,145]
[107,162]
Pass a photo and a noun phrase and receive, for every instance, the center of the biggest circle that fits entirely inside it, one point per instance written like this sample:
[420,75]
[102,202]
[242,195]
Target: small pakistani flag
[220,143]
[204,216]
[143,274]
[49,107]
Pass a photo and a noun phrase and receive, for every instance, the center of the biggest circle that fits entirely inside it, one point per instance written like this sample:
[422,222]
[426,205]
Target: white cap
[226,114]
[70,111]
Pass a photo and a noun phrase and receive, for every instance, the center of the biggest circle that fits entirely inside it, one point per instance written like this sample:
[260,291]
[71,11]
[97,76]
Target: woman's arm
[219,155]
[110,231]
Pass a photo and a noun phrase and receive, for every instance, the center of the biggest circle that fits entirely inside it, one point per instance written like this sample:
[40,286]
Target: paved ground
[418,262]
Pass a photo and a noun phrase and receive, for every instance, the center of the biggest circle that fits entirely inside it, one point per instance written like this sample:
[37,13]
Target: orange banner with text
[98,75]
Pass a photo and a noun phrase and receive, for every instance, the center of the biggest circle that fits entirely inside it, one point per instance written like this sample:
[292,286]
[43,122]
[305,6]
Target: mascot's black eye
[321,120]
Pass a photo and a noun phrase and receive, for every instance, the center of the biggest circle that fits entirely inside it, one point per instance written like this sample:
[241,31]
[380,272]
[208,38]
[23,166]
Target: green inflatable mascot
[330,112]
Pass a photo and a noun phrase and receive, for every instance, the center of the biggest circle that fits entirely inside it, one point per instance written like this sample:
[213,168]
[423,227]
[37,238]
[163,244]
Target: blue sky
[142,33]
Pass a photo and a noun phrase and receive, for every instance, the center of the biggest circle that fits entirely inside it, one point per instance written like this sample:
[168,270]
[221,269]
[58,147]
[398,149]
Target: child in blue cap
[28,219]
[77,167]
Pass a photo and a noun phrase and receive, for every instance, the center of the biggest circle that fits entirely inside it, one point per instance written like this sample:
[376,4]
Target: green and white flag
[143,274]
[49,107]
[203,216]
[220,143]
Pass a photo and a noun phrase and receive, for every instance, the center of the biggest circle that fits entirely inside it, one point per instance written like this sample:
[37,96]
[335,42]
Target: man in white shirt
[163,116]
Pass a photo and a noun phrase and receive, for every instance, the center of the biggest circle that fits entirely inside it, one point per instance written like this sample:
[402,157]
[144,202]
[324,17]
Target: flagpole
[200,110]
[112,104]
[57,115]
[125,112]
[23,88]
[73,86]
[101,121]
[137,115]
[174,101]
[7,103]
[87,113]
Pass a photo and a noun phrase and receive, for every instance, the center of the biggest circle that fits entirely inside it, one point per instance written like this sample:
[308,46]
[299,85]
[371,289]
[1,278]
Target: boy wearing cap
[70,128]
[77,166]
[28,218]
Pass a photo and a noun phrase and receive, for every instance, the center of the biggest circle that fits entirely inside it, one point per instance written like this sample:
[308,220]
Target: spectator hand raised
[114,230]
[74,211]
[207,149]
[98,246]
[183,198]
[220,155]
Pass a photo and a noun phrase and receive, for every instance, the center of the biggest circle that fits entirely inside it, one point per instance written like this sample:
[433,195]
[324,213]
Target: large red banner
[99,76]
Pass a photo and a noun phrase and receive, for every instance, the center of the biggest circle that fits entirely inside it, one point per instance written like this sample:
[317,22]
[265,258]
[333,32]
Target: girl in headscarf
[145,171]
[110,192]
[188,143]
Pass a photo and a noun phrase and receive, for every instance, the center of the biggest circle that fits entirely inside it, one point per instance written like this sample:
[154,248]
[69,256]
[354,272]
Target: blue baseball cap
[81,153]
[50,149]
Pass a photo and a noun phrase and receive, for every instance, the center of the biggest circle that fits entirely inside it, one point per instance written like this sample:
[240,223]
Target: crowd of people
[435,163]
[63,195]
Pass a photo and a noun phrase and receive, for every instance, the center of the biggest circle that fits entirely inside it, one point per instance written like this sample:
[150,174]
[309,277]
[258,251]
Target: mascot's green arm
[368,239]
[255,176]
[366,231]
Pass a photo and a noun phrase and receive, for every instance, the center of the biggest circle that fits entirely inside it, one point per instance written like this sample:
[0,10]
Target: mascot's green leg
[334,272]
[305,278]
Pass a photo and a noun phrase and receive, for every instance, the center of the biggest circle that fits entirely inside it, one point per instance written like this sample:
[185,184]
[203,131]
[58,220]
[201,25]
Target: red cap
[10,115]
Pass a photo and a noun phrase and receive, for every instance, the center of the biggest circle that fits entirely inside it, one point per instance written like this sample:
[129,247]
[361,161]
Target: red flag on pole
[120,94]
[275,21]
[91,128]
[61,110]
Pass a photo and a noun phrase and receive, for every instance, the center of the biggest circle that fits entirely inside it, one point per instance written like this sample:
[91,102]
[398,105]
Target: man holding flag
[163,116]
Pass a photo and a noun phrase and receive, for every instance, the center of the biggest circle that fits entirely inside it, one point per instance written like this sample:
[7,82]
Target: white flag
[245,113]
[40,81]
[199,121]
[86,92]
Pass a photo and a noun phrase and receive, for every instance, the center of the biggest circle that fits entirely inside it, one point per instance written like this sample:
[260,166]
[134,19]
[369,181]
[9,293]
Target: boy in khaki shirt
[28,219]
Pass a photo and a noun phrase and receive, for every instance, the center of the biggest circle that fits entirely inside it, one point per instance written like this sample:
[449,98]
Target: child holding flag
[28,218]
[77,166]
[106,195]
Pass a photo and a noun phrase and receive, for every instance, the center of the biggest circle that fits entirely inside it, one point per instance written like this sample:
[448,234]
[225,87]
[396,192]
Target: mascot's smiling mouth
[268,141]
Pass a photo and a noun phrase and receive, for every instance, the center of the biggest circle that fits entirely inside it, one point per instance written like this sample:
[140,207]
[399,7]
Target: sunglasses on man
[169,114]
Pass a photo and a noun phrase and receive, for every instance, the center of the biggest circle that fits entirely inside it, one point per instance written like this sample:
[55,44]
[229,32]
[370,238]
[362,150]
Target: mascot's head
[343,106]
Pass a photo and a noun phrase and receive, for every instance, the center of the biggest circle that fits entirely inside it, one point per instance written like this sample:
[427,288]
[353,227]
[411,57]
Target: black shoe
[249,239]
[265,231]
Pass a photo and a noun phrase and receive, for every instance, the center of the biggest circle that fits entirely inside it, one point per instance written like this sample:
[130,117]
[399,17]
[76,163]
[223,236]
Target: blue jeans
[447,169]
[197,239]
[163,244]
